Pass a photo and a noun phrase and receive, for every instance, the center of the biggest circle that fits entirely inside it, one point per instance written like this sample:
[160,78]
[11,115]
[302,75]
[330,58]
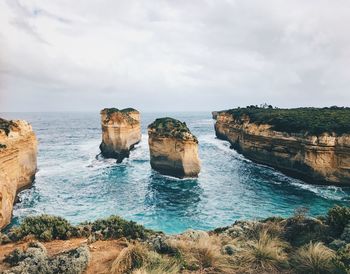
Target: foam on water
[76,183]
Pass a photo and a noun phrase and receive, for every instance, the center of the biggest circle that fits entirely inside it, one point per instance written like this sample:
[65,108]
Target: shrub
[342,260]
[43,227]
[314,258]
[300,231]
[337,218]
[116,227]
[264,254]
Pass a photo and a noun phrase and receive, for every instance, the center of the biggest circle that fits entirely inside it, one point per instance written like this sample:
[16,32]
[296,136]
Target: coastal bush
[115,227]
[342,260]
[337,218]
[301,230]
[298,120]
[314,258]
[43,227]
[266,254]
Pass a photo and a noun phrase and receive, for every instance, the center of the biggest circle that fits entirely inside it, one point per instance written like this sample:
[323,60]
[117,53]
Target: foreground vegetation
[299,244]
[298,120]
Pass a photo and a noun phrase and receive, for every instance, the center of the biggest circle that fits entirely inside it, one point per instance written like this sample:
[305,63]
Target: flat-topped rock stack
[173,148]
[18,163]
[121,130]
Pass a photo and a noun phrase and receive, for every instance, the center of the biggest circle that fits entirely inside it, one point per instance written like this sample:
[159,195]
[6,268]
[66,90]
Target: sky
[173,55]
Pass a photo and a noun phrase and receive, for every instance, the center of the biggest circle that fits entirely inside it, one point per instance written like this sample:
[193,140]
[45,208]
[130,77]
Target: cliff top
[312,121]
[6,125]
[170,127]
[125,113]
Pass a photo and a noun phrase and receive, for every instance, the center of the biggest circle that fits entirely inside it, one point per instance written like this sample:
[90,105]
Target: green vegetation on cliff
[124,112]
[298,120]
[47,228]
[5,125]
[170,127]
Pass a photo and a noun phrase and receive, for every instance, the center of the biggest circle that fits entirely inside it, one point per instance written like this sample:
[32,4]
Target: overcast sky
[178,55]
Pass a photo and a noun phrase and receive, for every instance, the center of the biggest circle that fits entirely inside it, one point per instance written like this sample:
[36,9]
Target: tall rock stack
[121,130]
[173,148]
[18,163]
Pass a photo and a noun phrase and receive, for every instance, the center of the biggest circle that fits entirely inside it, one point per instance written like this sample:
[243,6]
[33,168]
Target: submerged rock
[121,130]
[173,148]
[18,163]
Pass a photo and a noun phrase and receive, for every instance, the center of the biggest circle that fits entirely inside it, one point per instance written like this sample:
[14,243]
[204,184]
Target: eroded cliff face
[18,163]
[121,130]
[323,159]
[173,148]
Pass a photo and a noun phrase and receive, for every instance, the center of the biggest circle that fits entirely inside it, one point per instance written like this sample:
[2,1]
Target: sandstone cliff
[319,159]
[18,163]
[173,148]
[121,130]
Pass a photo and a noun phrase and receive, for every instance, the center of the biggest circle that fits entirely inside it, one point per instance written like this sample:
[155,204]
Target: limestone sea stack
[18,163]
[307,143]
[121,130]
[173,148]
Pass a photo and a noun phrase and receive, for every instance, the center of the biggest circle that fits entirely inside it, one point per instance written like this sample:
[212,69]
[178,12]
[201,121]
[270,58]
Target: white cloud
[178,55]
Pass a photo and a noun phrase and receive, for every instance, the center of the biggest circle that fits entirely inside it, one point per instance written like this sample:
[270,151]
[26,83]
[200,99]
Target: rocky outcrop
[18,163]
[173,148]
[121,130]
[319,159]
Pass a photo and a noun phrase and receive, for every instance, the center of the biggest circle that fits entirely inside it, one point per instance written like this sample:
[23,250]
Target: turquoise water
[73,183]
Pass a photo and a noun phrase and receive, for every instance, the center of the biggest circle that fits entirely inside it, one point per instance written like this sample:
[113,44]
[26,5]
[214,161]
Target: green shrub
[337,218]
[43,227]
[299,231]
[116,227]
[342,260]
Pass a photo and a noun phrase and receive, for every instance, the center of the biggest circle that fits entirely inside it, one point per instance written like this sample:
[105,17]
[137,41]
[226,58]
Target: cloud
[173,55]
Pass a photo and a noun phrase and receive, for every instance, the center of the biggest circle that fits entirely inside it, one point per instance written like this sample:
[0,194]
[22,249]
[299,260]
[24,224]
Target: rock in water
[173,148]
[18,163]
[121,130]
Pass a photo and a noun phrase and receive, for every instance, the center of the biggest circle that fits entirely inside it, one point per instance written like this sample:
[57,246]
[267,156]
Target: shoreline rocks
[321,159]
[18,163]
[173,148]
[121,130]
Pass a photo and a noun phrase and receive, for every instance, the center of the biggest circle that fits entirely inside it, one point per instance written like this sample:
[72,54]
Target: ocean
[74,182]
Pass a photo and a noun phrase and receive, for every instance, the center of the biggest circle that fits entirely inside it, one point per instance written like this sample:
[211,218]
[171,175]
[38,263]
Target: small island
[121,130]
[18,163]
[173,148]
[309,143]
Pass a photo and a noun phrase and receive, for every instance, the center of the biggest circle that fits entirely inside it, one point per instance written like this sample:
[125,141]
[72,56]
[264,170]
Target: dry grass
[137,258]
[204,253]
[314,258]
[132,257]
[265,254]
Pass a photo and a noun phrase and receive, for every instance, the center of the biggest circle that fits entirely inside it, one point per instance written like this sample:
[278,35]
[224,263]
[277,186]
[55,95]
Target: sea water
[74,182]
